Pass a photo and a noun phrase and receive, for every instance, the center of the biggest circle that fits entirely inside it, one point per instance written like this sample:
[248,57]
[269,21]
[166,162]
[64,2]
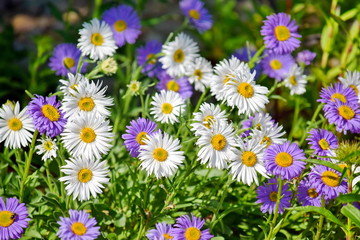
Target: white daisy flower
[167,106]
[87,98]
[72,83]
[47,148]
[352,80]
[296,80]
[269,135]
[223,74]
[160,155]
[96,40]
[200,73]
[179,54]
[357,178]
[15,126]
[88,136]
[243,92]
[262,121]
[248,161]
[84,176]
[207,116]
[217,145]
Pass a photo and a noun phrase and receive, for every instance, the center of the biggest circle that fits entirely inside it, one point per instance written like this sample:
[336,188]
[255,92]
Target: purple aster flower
[146,58]
[323,142]
[13,218]
[79,226]
[280,33]
[187,228]
[124,23]
[47,116]
[345,116]
[305,57]
[284,160]
[65,59]
[357,205]
[267,195]
[244,55]
[180,85]
[198,15]
[161,232]
[307,194]
[277,66]
[337,91]
[326,181]
[136,132]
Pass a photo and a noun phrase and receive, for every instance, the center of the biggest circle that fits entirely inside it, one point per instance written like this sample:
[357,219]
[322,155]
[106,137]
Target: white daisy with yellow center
[352,80]
[217,145]
[248,161]
[15,126]
[269,135]
[262,121]
[72,83]
[47,148]
[200,73]
[179,54]
[84,177]
[161,155]
[96,40]
[296,80]
[167,107]
[87,98]
[87,136]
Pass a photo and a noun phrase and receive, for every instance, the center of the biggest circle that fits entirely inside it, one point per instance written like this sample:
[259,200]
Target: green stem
[80,63]
[321,221]
[201,99]
[316,113]
[349,234]
[272,233]
[48,176]
[256,56]
[296,116]
[97,8]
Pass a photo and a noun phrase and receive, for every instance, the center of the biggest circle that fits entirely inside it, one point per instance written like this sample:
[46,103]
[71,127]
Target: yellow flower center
[192,233]
[209,120]
[120,25]
[179,56]
[342,165]
[292,80]
[74,86]
[246,90]
[194,14]
[134,86]
[273,196]
[50,112]
[167,236]
[87,135]
[324,144]
[275,64]
[218,142]
[283,159]
[69,62]
[150,58]
[173,86]
[85,175]
[330,178]
[355,89]
[282,33]
[346,112]
[249,158]
[266,140]
[15,124]
[166,108]
[198,73]
[339,96]
[312,193]
[140,138]
[227,78]
[97,39]
[48,145]
[160,154]
[6,218]
[78,228]
[86,104]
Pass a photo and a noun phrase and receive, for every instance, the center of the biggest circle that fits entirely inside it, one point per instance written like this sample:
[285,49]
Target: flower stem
[272,233]
[321,221]
[48,176]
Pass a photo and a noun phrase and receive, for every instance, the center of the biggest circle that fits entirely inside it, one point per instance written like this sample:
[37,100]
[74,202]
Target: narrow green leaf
[325,163]
[347,198]
[353,213]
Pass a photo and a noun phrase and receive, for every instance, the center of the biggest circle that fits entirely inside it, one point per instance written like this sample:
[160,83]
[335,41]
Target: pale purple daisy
[65,59]
[305,57]
[13,218]
[284,160]
[147,59]
[337,91]
[79,226]
[161,232]
[245,55]
[267,196]
[180,85]
[280,34]
[307,194]
[187,228]
[47,117]
[198,15]
[124,23]
[277,66]
[137,131]
[345,116]
[323,142]
[326,181]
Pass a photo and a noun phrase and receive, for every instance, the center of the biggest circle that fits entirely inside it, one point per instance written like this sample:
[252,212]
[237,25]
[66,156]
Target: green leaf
[347,198]
[217,238]
[353,213]
[325,163]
